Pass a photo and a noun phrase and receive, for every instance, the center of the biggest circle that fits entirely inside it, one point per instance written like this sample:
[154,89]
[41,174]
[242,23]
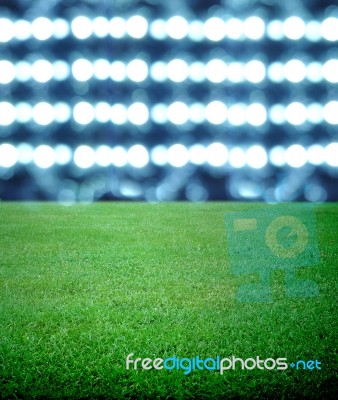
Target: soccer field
[84,286]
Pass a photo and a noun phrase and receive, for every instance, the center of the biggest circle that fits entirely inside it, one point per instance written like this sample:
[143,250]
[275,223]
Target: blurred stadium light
[151,100]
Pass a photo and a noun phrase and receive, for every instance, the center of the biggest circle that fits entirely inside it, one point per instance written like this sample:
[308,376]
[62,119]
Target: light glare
[42,28]
[214,29]
[137,27]
[178,155]
[84,157]
[43,113]
[8,155]
[7,72]
[83,113]
[82,27]
[138,156]
[44,156]
[177,27]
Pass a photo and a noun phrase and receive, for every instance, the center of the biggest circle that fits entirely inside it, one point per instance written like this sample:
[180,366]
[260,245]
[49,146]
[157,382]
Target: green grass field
[83,286]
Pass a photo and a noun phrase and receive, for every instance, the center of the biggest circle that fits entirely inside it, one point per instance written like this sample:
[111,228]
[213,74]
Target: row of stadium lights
[177,113]
[177,28]
[177,155]
[176,70]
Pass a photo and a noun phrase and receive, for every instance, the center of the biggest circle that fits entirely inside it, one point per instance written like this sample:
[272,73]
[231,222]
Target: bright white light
[138,156]
[23,112]
[312,31]
[22,29]
[178,155]
[197,71]
[23,71]
[294,28]
[82,70]
[296,156]
[254,71]
[118,27]
[236,72]
[102,112]
[256,114]
[234,28]
[101,27]
[61,28]
[314,72]
[256,157]
[44,156]
[198,154]
[216,154]
[177,27]
[137,70]
[103,156]
[159,155]
[159,113]
[277,156]
[237,114]
[158,29]
[42,71]
[330,112]
[177,70]
[330,71]
[315,113]
[276,72]
[295,113]
[25,153]
[118,71]
[277,114]
[43,113]
[82,27]
[138,113]
[315,154]
[119,156]
[214,29]
[237,157]
[118,114]
[216,71]
[331,154]
[158,71]
[42,28]
[101,69]
[7,113]
[62,112]
[7,72]
[254,28]
[63,154]
[295,71]
[61,70]
[216,112]
[6,30]
[197,113]
[8,155]
[275,30]
[84,157]
[137,27]
[196,31]
[178,113]
[83,113]
[329,29]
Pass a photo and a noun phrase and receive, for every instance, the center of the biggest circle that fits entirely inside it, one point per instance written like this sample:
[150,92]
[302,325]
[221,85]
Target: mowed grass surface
[83,286]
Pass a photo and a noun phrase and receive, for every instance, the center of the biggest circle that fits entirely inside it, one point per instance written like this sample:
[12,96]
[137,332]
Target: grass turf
[81,287]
